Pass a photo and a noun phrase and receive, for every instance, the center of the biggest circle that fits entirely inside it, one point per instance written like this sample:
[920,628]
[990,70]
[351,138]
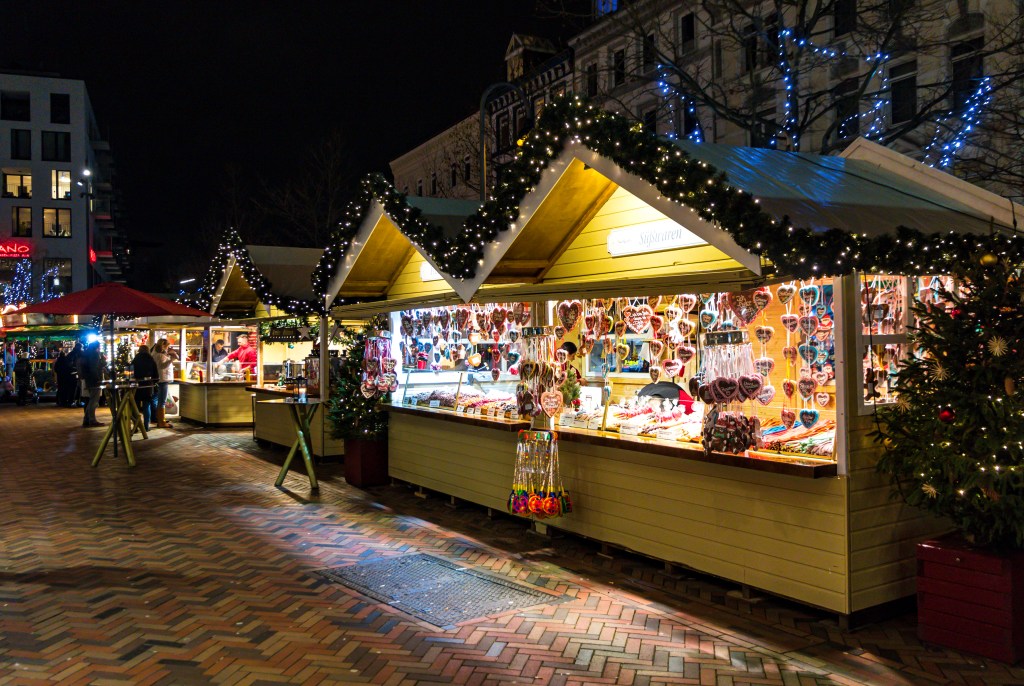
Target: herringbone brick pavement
[193,569]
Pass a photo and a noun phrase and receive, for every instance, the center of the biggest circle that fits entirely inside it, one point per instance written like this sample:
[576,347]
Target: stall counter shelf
[221,403]
[272,422]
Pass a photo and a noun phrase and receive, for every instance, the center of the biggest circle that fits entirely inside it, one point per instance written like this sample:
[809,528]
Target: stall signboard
[14,250]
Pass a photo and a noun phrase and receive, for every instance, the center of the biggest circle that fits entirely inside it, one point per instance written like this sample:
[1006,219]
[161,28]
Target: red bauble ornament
[947,415]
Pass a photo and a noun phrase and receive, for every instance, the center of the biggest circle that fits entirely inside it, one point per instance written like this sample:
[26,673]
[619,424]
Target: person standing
[90,371]
[144,370]
[245,354]
[163,356]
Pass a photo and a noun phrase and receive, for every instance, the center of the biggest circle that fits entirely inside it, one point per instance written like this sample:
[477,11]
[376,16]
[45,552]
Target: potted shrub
[954,446]
[358,419]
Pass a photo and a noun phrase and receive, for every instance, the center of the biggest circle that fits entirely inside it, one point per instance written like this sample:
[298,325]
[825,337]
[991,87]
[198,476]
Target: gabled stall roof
[855,195]
[383,263]
[287,269]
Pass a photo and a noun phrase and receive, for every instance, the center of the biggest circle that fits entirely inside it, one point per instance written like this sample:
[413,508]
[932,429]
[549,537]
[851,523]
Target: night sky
[182,90]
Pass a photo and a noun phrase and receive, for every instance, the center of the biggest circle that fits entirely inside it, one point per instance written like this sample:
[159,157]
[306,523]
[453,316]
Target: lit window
[60,182]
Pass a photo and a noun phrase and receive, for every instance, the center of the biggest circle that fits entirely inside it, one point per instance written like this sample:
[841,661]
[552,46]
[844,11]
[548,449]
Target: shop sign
[662,235]
[14,249]
[428,273]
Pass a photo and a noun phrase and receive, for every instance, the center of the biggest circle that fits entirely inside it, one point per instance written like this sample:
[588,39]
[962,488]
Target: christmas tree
[954,439]
[352,414]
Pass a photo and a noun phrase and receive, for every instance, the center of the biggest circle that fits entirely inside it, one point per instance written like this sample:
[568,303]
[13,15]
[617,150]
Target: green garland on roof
[793,251]
[407,218]
[232,245]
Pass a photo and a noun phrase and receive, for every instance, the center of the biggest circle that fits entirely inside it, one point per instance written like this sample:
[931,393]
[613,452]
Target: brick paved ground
[193,569]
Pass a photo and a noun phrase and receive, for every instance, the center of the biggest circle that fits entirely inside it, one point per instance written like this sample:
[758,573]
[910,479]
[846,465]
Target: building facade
[59,225]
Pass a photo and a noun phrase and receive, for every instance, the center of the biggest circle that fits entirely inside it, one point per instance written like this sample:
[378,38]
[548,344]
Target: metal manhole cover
[437,591]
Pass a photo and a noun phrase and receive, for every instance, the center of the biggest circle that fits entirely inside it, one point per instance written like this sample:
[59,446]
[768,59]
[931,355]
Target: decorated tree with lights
[954,440]
[352,414]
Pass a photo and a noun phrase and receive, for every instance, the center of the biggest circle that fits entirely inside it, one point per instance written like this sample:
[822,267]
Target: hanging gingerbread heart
[657,322]
[637,319]
[764,365]
[790,353]
[764,333]
[671,367]
[656,347]
[685,353]
[808,418]
[762,297]
[707,318]
[559,331]
[823,398]
[789,387]
[655,372]
[551,402]
[742,306]
[806,388]
[786,292]
[808,325]
[620,328]
[766,394]
[688,301]
[750,385]
[788,418]
[569,313]
[810,294]
[790,322]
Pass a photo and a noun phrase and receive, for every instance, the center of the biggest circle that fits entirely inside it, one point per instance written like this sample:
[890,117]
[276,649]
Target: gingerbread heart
[551,402]
[810,294]
[688,301]
[559,331]
[789,387]
[762,297]
[766,394]
[724,389]
[764,365]
[790,353]
[764,333]
[655,372]
[786,292]
[788,418]
[620,328]
[685,353]
[750,385]
[637,318]
[657,322]
[656,347]
[569,313]
[806,388]
[822,398]
[790,322]
[808,418]
[808,325]
[808,353]
[672,367]
[707,318]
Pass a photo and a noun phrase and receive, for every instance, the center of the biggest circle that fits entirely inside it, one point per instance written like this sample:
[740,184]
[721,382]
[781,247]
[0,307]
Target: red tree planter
[971,599]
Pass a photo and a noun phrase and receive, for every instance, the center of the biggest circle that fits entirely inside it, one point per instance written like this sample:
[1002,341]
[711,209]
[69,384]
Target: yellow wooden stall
[820,531]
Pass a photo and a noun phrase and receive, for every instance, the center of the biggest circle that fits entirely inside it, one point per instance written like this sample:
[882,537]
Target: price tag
[460,409]
[435,403]
[514,415]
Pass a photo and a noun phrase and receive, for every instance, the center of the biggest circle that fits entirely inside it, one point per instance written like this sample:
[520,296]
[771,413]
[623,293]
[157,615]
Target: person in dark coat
[145,372]
[65,380]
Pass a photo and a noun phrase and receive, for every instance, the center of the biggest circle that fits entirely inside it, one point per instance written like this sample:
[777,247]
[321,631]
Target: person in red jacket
[247,356]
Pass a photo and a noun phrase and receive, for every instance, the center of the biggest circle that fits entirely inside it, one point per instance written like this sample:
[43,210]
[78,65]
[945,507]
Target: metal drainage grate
[435,590]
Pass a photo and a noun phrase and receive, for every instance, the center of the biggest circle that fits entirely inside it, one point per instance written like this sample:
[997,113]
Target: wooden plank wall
[785,535]
[883,532]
